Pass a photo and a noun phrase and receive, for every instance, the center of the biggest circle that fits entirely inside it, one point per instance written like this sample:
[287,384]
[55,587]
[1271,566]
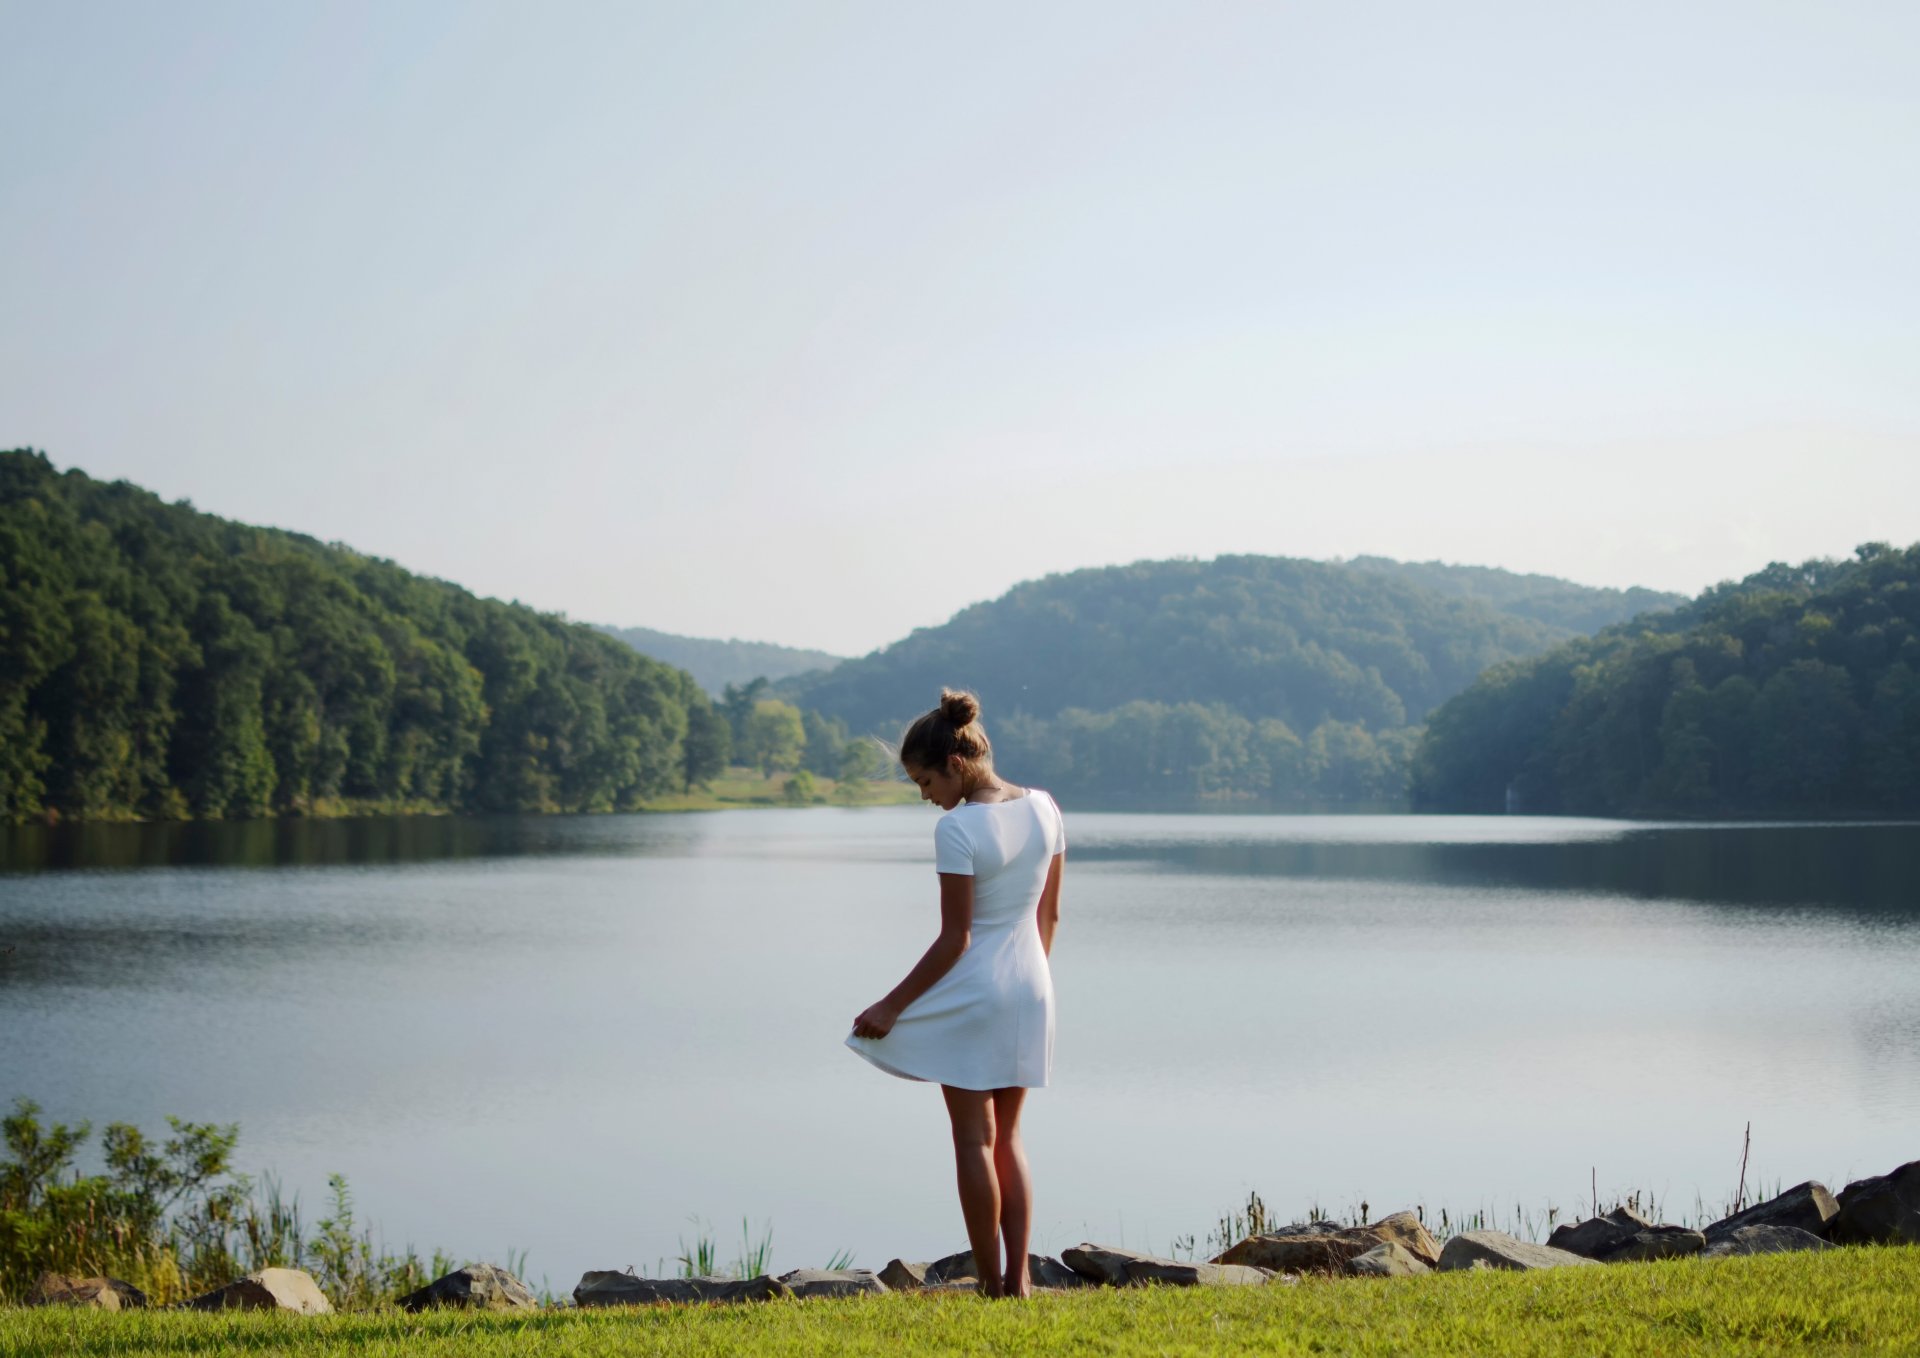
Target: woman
[976,1012]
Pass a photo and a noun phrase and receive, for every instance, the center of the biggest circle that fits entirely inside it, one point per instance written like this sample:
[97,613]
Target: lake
[584,1036]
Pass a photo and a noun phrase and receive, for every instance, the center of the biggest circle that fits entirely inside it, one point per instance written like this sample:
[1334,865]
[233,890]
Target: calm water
[571,1036]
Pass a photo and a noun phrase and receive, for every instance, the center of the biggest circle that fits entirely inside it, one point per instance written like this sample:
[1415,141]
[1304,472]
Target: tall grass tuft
[175,1219]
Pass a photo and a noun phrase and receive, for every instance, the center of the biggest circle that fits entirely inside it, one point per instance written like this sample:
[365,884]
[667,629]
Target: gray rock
[1624,1236]
[1764,1240]
[1389,1259]
[1656,1242]
[1884,1210]
[1041,1271]
[1172,1273]
[479,1286]
[900,1276]
[832,1282]
[101,1294]
[1807,1206]
[1497,1249]
[953,1268]
[1598,1236]
[1102,1264]
[268,1289]
[604,1287]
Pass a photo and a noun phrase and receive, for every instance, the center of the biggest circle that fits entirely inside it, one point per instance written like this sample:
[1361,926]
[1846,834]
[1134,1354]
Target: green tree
[1806,720]
[800,789]
[709,744]
[774,737]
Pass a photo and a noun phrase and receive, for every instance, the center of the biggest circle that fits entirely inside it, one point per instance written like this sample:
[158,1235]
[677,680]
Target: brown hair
[949,729]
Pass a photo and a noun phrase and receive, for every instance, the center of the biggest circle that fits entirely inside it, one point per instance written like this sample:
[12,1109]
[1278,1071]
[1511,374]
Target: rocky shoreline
[1882,1210]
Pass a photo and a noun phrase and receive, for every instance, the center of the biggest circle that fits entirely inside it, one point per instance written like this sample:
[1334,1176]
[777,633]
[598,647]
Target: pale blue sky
[814,323]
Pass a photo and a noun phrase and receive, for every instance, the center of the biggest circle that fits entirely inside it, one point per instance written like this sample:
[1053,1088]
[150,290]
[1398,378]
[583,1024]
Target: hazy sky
[813,323]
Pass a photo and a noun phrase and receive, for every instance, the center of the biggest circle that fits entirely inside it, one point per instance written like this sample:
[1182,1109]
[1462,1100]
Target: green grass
[1852,1301]
[739,787]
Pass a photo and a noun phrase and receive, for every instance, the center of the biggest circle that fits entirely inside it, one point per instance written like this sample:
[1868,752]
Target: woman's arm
[1049,914]
[956,932]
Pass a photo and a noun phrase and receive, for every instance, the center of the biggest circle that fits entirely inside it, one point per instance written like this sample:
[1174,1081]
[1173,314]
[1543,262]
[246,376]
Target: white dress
[988,1023]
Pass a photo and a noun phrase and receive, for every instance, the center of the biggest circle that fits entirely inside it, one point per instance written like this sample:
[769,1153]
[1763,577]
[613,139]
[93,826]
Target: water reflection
[1872,870]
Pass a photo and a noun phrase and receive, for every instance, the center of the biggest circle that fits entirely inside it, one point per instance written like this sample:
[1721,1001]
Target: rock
[1041,1271]
[604,1287]
[1807,1206]
[1389,1259]
[1596,1236]
[1172,1273]
[832,1282]
[1045,1271]
[1102,1264]
[953,1268]
[1881,1211]
[1497,1249]
[1765,1240]
[1323,1247]
[1624,1236]
[103,1294]
[1656,1242]
[268,1289]
[900,1276]
[480,1286]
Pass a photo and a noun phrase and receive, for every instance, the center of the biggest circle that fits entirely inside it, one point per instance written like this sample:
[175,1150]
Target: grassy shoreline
[739,788]
[1841,1301]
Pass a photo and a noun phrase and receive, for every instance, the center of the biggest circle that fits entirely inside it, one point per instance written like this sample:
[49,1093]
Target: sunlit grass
[739,787]
[1846,1301]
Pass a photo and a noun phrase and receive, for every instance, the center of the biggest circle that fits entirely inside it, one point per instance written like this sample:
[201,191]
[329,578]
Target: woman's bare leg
[971,1112]
[1016,1189]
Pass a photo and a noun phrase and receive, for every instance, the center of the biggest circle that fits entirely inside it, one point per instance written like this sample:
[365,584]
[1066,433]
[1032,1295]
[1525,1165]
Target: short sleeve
[952,849]
[1059,826]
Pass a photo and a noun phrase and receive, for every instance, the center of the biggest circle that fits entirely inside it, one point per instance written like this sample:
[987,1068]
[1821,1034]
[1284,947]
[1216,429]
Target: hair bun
[959,708]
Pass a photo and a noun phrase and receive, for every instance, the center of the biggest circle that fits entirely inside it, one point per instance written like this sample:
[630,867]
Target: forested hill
[1301,641]
[1575,609]
[1244,678]
[716,664]
[160,662]
[1795,691]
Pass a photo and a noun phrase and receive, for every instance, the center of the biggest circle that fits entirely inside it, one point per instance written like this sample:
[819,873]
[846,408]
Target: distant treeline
[159,662]
[1170,755]
[1795,691]
[1244,678]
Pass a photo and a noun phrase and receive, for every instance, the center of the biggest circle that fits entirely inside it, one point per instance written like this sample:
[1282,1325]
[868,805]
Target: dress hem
[864,1054]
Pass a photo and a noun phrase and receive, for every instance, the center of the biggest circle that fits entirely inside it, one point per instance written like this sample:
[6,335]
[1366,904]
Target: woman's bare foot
[990,1287]
[1017,1286]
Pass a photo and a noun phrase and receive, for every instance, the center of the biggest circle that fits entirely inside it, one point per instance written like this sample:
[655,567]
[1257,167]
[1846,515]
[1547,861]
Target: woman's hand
[876,1020]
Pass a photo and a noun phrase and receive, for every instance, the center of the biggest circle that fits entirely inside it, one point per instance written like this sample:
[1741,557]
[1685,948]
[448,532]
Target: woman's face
[939,786]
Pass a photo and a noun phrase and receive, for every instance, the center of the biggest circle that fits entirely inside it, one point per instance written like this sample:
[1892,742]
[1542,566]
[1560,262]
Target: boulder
[1881,1211]
[604,1287]
[1595,1237]
[900,1276]
[103,1294]
[267,1289]
[1323,1247]
[1102,1264]
[1172,1273]
[482,1287]
[1624,1236]
[1764,1240]
[1389,1259]
[1497,1249]
[1041,1271]
[832,1282]
[1807,1206]
[1656,1242]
